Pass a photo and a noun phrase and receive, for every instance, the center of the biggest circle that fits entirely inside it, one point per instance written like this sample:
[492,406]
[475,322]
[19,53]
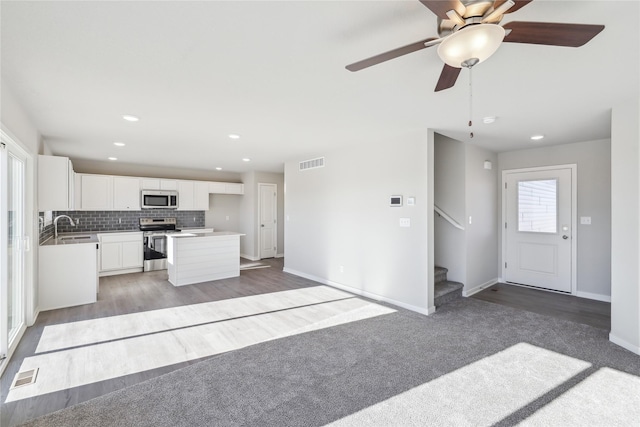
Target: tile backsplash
[118,220]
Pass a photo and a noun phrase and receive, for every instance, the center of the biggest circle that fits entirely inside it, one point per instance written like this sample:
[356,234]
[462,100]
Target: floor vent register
[25,378]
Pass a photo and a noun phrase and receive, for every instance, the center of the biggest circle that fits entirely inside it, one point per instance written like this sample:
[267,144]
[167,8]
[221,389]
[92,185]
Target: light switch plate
[405,222]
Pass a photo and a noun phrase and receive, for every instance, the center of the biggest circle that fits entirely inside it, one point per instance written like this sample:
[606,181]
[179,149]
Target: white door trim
[574,217]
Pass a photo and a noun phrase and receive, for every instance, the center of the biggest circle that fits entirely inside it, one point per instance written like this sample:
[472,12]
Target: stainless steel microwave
[155,199]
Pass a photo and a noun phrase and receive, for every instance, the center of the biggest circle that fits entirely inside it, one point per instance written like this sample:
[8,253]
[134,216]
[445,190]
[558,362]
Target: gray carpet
[324,376]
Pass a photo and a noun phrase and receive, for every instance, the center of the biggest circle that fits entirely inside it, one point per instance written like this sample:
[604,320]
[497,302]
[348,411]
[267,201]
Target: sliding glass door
[13,244]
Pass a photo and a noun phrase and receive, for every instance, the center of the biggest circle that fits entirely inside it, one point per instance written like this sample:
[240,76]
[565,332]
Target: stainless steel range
[155,241]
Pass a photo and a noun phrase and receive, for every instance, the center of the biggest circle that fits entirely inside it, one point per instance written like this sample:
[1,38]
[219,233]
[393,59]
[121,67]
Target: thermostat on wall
[395,201]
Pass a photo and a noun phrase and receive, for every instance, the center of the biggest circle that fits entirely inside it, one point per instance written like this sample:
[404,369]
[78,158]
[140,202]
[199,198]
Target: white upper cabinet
[159,184]
[186,196]
[55,183]
[126,193]
[201,196]
[96,192]
[233,188]
[226,188]
[217,188]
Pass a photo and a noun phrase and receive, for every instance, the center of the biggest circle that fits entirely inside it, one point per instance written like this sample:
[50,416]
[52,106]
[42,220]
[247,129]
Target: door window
[538,206]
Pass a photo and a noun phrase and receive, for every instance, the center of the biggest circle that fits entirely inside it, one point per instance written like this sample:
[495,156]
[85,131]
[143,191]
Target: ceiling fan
[469,34]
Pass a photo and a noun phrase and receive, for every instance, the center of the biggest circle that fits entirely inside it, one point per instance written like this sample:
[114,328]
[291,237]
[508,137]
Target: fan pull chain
[470,102]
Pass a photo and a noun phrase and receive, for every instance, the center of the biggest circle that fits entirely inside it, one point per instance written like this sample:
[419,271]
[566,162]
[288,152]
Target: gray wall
[224,212]
[594,199]
[249,216]
[463,189]
[449,195]
[481,196]
[625,248]
[339,216]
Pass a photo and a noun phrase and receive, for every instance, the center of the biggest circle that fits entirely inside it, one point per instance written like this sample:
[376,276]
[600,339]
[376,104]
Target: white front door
[539,219]
[268,214]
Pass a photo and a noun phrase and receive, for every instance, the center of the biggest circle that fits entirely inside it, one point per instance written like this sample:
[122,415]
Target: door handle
[565,237]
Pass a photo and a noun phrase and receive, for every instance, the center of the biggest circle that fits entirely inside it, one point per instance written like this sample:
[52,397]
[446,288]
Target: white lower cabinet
[67,275]
[120,253]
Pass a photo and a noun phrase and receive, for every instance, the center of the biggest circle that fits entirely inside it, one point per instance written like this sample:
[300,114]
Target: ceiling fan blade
[447,78]
[383,57]
[550,33]
[441,7]
[518,4]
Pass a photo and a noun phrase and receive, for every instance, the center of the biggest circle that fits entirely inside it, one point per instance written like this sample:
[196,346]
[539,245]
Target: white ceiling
[274,73]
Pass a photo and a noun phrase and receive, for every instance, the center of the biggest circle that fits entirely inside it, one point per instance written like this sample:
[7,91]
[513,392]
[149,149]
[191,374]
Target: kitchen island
[202,257]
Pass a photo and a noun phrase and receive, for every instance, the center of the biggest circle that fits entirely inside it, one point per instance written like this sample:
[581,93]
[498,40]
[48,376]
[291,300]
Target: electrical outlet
[342,269]
[585,220]
[405,222]
[227,217]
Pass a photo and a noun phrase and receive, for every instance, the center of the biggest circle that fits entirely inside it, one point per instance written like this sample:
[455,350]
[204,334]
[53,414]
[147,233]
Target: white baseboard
[421,310]
[249,257]
[35,317]
[279,255]
[116,272]
[478,288]
[597,297]
[588,295]
[624,344]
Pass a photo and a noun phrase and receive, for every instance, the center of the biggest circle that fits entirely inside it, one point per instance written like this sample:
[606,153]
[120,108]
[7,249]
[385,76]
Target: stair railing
[447,217]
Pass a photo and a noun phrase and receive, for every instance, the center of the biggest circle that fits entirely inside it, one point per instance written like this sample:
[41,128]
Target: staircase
[444,290]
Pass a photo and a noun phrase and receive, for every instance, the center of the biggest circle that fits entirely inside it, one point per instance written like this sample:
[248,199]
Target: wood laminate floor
[568,307]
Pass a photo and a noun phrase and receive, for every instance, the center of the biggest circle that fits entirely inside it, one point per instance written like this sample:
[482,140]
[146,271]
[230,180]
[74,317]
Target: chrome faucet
[55,224]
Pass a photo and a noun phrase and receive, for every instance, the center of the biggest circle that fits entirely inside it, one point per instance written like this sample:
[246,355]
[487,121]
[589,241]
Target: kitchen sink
[63,238]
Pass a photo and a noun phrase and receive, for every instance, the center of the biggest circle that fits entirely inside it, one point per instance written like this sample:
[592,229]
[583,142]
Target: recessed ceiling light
[488,119]
[130,118]
[246,160]
[113,158]
[119,144]
[218,169]
[537,137]
[234,136]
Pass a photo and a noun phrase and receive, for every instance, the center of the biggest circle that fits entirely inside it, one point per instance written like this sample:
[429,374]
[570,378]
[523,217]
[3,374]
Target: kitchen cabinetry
[159,184]
[67,275]
[55,183]
[126,193]
[193,195]
[96,192]
[226,188]
[107,192]
[120,253]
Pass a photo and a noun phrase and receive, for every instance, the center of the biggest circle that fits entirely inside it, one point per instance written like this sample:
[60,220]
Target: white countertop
[200,235]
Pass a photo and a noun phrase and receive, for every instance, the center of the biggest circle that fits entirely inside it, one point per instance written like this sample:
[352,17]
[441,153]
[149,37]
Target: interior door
[539,221]
[268,215]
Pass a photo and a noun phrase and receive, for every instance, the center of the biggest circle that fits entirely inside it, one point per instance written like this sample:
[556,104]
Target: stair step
[446,291]
[440,274]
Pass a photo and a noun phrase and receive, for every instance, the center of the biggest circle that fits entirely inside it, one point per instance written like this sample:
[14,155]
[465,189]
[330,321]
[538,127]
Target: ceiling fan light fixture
[475,41]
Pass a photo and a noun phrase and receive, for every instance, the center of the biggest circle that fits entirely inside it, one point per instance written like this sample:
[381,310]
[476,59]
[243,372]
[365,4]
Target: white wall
[341,230]
[449,195]
[594,199]
[625,231]
[481,196]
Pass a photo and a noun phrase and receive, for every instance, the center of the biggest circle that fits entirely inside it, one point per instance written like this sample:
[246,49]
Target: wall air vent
[312,164]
